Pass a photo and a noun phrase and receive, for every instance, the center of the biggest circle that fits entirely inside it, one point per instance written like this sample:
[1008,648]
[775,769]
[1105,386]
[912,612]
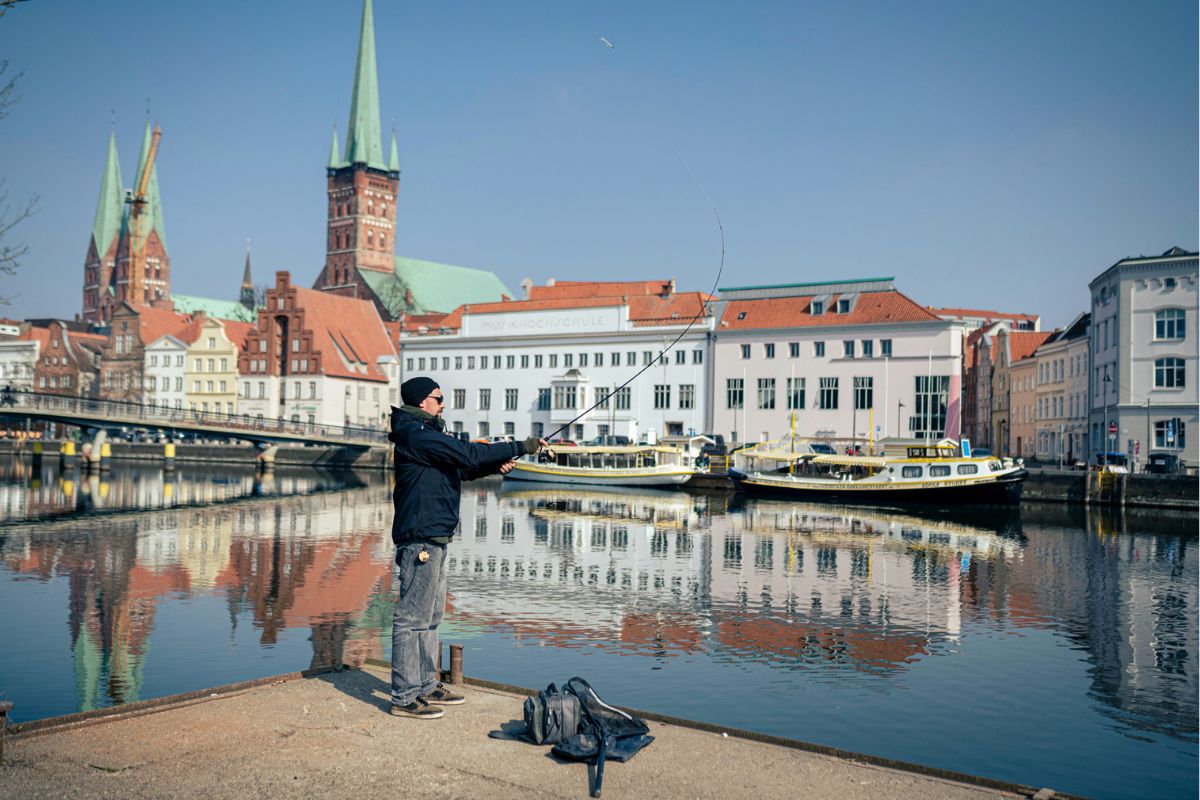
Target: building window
[885,348]
[1168,373]
[734,393]
[818,349]
[312,390]
[868,348]
[510,399]
[818,308]
[543,403]
[1169,323]
[408,364]
[697,356]
[630,359]
[623,398]
[602,393]
[662,395]
[647,357]
[745,351]
[794,349]
[539,430]
[795,393]
[848,348]
[843,307]
[510,362]
[153,359]
[458,362]
[864,393]
[1169,434]
[568,360]
[565,397]
[262,390]
[680,357]
[687,396]
[769,350]
[828,396]
[932,396]
[510,428]
[212,343]
[484,430]
[483,361]
[460,398]
[524,362]
[495,362]
[553,361]
[766,393]
[537,362]
[485,399]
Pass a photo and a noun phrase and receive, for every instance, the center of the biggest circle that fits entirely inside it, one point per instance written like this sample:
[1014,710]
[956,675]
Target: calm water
[1049,648]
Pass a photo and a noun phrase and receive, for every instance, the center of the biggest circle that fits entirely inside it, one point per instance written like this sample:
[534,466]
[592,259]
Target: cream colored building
[1023,397]
[211,381]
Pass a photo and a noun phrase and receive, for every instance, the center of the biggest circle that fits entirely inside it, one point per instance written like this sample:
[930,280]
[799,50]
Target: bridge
[101,418]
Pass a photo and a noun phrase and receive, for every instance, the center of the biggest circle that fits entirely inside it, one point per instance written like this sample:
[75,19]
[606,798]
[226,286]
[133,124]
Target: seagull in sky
[607,43]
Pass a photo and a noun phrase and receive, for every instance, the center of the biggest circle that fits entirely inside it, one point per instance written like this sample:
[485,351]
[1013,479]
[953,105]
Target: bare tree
[5,5]
[11,252]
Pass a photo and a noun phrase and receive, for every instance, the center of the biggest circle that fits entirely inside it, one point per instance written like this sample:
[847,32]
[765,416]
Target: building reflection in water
[643,573]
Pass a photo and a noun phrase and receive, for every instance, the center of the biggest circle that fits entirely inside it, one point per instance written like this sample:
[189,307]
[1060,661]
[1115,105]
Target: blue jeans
[420,603]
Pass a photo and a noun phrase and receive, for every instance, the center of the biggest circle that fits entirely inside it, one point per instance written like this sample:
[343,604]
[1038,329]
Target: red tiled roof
[236,332]
[793,312]
[584,289]
[156,323]
[347,332]
[39,335]
[643,309]
[1021,344]
[980,313]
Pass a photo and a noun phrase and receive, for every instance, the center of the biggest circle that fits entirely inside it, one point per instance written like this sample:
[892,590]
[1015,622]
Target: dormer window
[741,315]
[843,307]
[818,308]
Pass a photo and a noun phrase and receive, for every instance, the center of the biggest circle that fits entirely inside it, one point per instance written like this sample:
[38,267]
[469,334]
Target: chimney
[526,286]
[550,281]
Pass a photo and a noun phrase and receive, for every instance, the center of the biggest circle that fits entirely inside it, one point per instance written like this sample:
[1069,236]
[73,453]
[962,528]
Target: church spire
[363,144]
[394,158]
[246,296]
[335,159]
[111,203]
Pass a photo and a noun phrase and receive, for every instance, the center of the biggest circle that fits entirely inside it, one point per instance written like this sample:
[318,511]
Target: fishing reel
[546,456]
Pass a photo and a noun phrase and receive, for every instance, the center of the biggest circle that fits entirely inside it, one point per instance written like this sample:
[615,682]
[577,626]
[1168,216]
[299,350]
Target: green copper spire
[394,158]
[362,137]
[335,160]
[154,216]
[111,204]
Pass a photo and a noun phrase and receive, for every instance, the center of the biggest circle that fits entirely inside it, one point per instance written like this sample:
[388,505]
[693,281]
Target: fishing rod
[703,308]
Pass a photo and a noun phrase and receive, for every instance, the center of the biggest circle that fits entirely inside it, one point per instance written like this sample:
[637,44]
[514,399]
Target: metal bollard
[5,707]
[456,664]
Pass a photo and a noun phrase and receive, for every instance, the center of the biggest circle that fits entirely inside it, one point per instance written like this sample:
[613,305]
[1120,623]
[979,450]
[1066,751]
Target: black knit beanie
[414,390]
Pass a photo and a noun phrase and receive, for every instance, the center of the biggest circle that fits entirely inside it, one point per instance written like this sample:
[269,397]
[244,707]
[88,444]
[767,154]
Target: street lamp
[899,405]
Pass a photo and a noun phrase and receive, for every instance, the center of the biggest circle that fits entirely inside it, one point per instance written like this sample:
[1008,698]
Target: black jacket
[430,468]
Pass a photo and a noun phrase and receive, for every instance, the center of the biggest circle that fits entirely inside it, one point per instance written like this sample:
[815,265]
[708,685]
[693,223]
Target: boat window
[912,472]
[968,469]
[939,470]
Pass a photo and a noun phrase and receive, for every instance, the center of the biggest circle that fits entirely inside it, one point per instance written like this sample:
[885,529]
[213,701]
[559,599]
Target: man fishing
[430,468]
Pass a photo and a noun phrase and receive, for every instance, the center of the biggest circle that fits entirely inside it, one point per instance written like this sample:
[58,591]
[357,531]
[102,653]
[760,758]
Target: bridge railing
[125,413]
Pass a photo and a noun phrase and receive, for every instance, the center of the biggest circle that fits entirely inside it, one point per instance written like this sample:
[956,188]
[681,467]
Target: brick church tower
[362,188]
[106,270]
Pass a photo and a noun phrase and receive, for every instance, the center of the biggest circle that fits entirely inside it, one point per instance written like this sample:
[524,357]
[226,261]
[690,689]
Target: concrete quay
[330,734]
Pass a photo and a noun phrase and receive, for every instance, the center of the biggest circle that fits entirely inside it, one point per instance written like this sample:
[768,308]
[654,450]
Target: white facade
[314,399]
[165,368]
[529,371]
[1144,357]
[847,371]
[1062,394]
[18,359]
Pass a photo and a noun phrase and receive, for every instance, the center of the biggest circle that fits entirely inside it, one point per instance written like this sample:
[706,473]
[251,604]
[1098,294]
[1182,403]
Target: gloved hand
[532,445]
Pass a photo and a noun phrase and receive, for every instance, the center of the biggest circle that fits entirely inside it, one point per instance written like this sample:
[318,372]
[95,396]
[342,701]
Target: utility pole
[1104,438]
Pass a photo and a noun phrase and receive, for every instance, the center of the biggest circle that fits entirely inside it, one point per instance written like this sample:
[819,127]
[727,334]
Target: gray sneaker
[441,696]
[417,709]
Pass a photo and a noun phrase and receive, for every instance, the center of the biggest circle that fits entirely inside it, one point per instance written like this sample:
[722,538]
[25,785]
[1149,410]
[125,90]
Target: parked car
[563,443]
[607,441]
[1163,463]
[1111,459]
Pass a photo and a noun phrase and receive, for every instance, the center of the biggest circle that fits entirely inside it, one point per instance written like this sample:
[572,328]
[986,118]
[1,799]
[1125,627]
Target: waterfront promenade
[330,735]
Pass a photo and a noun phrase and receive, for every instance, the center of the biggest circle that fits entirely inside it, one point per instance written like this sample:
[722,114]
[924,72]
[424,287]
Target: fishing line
[703,308]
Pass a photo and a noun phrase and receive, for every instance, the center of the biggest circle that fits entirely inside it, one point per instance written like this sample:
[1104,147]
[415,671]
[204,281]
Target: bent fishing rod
[702,312]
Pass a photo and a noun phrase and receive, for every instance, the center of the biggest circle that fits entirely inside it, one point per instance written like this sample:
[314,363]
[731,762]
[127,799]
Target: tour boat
[615,465]
[938,473]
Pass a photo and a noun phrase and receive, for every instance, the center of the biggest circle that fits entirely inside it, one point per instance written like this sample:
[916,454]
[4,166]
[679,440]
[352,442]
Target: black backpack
[582,727]
[552,716]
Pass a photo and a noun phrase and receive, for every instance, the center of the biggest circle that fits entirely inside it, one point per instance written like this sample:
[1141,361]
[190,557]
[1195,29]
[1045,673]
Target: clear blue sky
[986,154]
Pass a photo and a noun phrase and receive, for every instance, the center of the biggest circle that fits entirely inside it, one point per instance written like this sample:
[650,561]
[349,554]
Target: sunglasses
[441,399]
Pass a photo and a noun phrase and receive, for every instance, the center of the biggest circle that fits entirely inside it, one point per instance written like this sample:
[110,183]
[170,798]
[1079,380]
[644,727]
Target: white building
[18,357]
[1144,357]
[529,367]
[165,368]
[852,359]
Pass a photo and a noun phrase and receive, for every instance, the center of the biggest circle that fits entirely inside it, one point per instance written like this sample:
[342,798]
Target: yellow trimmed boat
[618,465]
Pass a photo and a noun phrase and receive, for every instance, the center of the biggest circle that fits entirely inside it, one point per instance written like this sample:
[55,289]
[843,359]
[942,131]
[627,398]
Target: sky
[984,154]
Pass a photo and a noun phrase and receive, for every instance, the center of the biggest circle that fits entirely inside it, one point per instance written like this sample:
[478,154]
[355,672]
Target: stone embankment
[330,735]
